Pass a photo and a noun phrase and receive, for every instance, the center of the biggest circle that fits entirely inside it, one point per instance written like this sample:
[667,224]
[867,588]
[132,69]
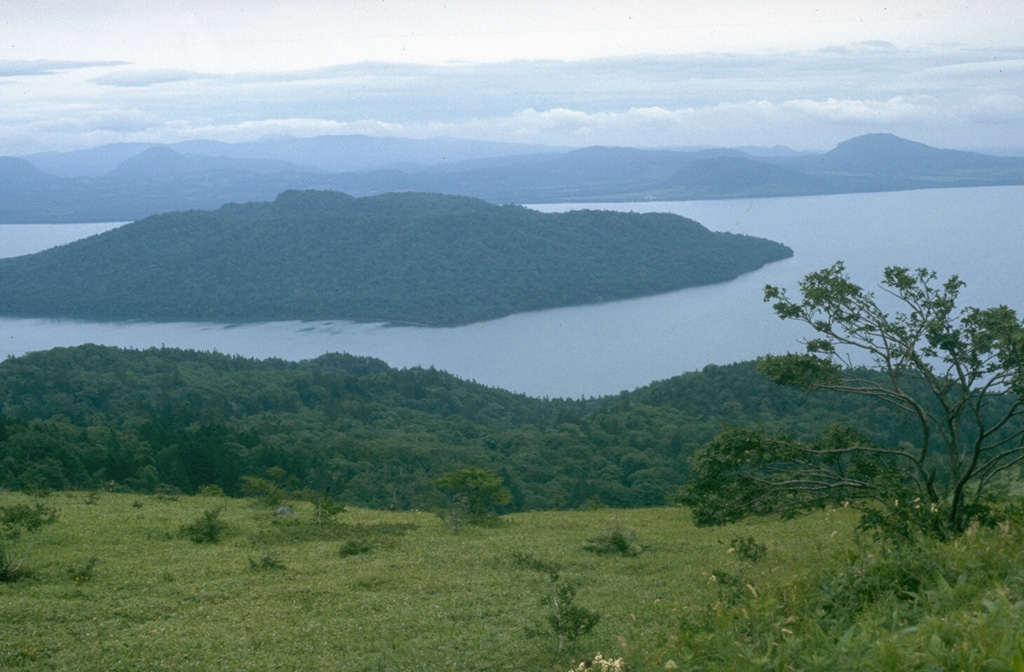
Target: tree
[479,491]
[957,372]
[567,621]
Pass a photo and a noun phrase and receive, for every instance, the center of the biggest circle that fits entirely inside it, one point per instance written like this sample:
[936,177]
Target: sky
[806,74]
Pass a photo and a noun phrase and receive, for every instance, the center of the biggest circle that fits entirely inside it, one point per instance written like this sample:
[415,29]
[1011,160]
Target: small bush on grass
[356,546]
[325,506]
[952,605]
[19,527]
[748,549]
[616,541]
[212,490]
[567,621]
[270,560]
[83,572]
[455,516]
[207,529]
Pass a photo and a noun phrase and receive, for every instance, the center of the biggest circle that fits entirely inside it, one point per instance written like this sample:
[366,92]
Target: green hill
[408,257]
[92,416]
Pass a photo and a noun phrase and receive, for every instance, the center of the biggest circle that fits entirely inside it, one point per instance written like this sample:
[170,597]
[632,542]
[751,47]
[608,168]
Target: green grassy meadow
[114,584]
[422,598]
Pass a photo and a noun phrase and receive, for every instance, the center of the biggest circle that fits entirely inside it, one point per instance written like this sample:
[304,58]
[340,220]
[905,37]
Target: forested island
[94,417]
[416,258]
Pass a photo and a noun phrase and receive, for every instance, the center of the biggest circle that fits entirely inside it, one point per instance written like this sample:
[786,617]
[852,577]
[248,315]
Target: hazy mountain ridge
[421,258]
[326,153]
[206,175]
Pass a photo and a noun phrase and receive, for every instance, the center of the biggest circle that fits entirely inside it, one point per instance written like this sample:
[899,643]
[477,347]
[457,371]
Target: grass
[116,585]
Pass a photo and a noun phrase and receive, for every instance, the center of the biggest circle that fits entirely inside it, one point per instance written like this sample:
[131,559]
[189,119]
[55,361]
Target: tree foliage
[957,373]
[567,621]
[94,417]
[481,492]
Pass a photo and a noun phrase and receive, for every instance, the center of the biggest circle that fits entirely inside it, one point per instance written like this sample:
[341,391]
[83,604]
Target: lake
[606,348]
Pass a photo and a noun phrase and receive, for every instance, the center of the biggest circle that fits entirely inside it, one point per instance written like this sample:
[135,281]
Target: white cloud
[900,109]
[807,100]
[298,127]
[757,122]
[100,121]
[1000,108]
[134,78]
[994,67]
[43,67]
[76,127]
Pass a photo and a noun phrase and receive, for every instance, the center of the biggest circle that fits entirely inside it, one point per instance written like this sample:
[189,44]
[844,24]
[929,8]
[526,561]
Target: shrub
[356,546]
[567,621]
[212,490]
[19,527]
[951,605]
[270,560]
[325,506]
[207,529]
[748,550]
[617,541]
[83,572]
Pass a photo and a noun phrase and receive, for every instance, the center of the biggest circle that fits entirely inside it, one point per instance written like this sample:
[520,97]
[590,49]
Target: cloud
[297,127]
[142,78]
[752,122]
[807,100]
[988,68]
[900,109]
[1001,108]
[867,46]
[76,126]
[45,67]
[99,121]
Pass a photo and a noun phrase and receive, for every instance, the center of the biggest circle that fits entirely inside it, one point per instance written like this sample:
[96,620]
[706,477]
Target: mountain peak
[159,158]
[15,172]
[887,154]
[881,143]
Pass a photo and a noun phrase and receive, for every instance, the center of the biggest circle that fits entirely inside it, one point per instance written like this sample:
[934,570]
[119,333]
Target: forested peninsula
[96,417]
[416,258]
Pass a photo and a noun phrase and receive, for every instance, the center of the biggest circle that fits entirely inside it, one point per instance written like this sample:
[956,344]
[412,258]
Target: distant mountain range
[131,181]
[421,258]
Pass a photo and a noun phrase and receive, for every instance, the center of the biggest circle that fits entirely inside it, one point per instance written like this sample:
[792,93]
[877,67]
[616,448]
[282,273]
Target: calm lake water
[604,349]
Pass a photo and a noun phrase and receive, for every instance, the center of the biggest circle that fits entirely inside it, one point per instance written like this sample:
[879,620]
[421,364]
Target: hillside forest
[93,417]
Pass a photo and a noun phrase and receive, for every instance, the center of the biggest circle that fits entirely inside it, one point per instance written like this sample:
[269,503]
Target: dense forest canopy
[144,420]
[419,258]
